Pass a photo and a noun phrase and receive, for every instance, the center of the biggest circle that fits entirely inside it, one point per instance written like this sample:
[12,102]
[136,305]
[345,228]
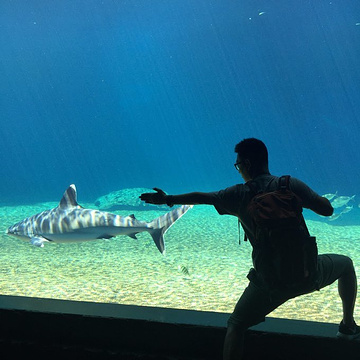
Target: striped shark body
[70,222]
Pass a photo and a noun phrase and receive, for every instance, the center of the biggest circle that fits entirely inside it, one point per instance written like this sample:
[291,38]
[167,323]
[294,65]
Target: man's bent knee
[234,342]
[349,266]
[235,330]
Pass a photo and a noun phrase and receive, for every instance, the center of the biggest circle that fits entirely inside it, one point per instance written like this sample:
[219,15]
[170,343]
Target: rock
[126,199]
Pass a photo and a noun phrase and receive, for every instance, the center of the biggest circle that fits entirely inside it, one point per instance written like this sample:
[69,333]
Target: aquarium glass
[118,97]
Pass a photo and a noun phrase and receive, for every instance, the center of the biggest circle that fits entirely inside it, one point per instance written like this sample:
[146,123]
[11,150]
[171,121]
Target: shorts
[256,301]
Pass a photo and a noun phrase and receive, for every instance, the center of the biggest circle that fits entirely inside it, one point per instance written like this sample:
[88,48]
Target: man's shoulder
[234,189]
[292,179]
[296,182]
[233,193]
[307,194]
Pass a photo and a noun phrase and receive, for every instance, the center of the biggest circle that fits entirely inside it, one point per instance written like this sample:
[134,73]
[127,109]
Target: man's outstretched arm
[194,198]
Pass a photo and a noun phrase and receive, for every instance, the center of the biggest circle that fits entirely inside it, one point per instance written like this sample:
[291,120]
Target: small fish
[262,13]
[334,217]
[341,201]
[347,209]
[330,196]
[184,270]
[357,24]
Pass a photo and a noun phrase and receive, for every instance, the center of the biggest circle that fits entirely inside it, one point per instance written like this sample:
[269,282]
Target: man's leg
[334,267]
[347,285]
[234,343]
[254,304]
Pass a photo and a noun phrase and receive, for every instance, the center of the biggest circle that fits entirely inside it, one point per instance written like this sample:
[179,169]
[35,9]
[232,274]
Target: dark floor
[69,335]
[279,349]
[34,335]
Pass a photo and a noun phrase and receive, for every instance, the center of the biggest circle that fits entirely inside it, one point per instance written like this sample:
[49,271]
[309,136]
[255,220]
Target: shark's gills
[161,224]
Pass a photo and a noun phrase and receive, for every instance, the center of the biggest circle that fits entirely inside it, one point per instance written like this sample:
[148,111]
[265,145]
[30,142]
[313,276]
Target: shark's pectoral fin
[38,241]
[133,235]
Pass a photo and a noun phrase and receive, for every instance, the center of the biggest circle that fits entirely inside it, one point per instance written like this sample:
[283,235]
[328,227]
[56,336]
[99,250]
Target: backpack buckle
[284,183]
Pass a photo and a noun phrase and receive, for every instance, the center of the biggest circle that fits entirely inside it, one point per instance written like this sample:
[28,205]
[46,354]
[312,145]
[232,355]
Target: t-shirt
[235,199]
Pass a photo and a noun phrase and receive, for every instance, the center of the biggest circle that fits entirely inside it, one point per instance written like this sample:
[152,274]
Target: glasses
[237,165]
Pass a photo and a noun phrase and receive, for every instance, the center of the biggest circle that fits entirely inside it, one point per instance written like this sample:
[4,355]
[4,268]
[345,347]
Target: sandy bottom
[204,268]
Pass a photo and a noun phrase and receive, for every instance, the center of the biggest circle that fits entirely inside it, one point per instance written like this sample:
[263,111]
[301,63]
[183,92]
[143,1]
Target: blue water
[118,94]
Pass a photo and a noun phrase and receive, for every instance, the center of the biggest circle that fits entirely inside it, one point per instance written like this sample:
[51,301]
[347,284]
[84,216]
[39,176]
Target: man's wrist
[169,200]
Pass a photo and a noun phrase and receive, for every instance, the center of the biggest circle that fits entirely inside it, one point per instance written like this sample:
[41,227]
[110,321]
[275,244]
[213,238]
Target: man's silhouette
[259,299]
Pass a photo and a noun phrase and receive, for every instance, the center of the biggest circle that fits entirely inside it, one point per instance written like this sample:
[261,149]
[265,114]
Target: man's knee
[234,342]
[235,333]
[348,266]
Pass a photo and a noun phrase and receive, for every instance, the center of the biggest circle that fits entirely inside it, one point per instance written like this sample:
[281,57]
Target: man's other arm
[322,206]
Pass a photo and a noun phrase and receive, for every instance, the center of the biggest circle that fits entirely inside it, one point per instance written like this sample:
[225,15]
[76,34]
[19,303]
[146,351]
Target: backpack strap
[245,237]
[253,188]
[284,183]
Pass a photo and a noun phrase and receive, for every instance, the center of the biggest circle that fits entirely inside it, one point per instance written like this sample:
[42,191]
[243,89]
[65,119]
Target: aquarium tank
[119,97]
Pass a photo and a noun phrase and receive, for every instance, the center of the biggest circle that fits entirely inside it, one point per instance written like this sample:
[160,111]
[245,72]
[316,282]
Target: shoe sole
[347,337]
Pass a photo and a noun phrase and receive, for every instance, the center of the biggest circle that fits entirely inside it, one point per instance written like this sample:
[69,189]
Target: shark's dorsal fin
[69,197]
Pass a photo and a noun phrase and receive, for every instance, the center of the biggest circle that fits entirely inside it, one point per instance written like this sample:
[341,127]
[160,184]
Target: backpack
[284,253]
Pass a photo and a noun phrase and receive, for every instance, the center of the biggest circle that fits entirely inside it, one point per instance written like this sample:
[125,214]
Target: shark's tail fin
[160,225]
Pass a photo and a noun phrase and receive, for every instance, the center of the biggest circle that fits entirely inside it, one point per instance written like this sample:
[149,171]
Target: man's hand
[158,198]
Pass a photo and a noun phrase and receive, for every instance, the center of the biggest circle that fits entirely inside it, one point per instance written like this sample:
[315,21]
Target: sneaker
[348,333]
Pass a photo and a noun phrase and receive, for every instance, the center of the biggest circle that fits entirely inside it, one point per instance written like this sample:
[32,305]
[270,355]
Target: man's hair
[254,150]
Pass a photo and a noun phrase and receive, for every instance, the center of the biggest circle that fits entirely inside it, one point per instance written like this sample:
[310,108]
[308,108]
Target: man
[259,299]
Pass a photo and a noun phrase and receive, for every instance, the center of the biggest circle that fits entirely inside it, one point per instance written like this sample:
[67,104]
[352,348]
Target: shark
[70,222]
